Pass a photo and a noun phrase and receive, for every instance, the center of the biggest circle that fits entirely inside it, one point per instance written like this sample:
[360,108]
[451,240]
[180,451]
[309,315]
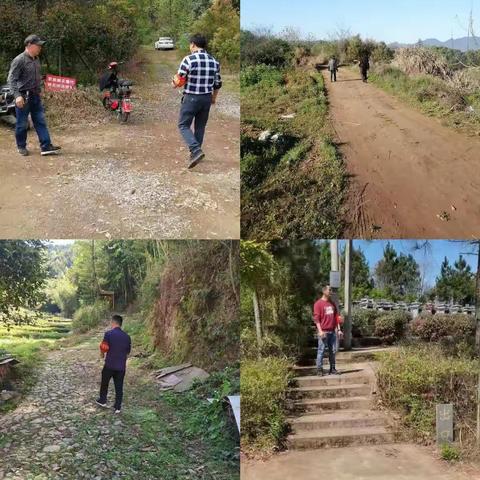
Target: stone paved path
[58,432]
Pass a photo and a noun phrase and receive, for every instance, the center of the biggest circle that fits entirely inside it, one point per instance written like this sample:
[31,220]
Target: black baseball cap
[34,40]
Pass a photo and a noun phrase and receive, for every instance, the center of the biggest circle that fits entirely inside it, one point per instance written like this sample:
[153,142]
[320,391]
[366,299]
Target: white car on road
[164,43]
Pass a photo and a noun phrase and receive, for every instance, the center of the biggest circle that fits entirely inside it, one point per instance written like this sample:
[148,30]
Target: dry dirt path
[377,462]
[411,176]
[130,180]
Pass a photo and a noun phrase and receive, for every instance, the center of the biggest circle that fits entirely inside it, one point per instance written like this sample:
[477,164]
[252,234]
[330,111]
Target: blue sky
[402,21]
[429,261]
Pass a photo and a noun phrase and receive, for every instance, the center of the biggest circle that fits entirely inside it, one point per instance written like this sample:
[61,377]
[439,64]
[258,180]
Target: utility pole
[335,269]
[347,325]
[335,272]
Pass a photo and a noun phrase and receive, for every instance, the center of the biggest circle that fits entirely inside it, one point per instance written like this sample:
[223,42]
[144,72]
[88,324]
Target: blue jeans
[195,108]
[330,342]
[33,107]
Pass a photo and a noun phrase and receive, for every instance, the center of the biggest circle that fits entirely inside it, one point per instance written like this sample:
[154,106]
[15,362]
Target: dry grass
[416,61]
[82,106]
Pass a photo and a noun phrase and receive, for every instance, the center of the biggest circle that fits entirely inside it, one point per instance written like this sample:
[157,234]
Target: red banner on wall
[55,83]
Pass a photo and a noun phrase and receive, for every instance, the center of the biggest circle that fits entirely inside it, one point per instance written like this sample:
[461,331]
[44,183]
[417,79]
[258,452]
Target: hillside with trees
[83,37]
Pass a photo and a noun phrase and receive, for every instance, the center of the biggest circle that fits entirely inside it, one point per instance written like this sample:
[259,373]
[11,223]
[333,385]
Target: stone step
[355,355]
[339,419]
[317,405]
[301,370]
[339,437]
[346,378]
[331,391]
[357,342]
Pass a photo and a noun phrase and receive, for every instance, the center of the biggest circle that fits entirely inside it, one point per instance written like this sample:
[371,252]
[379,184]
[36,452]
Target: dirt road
[379,462]
[130,180]
[411,176]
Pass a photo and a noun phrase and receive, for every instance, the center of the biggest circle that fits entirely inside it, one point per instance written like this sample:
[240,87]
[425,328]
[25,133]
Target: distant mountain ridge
[457,43]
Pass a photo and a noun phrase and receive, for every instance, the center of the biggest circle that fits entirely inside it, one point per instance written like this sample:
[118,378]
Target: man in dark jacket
[364,66]
[116,345]
[333,67]
[25,80]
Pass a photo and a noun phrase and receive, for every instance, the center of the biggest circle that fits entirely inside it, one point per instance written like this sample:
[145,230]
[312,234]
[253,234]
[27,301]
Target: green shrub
[363,322]
[263,391]
[148,291]
[265,74]
[414,379]
[272,345]
[450,453]
[90,316]
[64,293]
[435,327]
[391,326]
[256,50]
[220,23]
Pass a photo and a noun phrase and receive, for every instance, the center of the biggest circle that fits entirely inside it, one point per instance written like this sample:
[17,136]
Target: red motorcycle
[117,97]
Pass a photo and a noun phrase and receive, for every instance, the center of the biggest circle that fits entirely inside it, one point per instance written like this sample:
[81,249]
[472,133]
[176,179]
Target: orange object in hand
[179,81]
[104,347]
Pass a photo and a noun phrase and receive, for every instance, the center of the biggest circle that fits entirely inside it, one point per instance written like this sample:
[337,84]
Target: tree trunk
[232,272]
[41,6]
[258,323]
[96,286]
[275,310]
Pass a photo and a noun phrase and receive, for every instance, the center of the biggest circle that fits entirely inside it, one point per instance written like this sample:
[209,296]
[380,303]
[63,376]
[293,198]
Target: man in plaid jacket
[200,73]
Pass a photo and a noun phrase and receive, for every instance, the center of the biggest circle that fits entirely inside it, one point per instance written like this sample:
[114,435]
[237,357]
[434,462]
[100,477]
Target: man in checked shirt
[203,81]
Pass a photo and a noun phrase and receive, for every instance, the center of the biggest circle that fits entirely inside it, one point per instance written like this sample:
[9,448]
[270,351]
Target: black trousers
[333,75]
[118,376]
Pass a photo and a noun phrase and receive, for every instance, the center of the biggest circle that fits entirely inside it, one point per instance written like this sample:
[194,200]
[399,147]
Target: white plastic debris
[265,135]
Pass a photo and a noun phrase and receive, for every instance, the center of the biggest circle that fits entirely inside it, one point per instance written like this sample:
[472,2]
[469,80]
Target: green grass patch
[28,344]
[450,453]
[432,95]
[168,436]
[414,379]
[264,390]
[293,185]
[90,316]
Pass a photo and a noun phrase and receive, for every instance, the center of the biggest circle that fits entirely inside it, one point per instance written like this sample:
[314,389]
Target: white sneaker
[103,405]
[118,411]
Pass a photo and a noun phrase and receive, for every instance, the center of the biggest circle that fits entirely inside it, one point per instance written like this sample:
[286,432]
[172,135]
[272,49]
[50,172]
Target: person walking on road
[364,66]
[333,68]
[327,321]
[116,345]
[200,73]
[25,80]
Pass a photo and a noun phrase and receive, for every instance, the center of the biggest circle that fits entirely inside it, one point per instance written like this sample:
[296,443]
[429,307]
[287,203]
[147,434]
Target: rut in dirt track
[411,176]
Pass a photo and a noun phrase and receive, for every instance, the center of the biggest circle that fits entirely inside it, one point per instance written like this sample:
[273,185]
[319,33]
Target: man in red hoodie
[328,322]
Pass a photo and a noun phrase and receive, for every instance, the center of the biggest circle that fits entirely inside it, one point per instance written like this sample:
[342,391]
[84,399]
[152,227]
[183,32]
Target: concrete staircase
[336,411]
